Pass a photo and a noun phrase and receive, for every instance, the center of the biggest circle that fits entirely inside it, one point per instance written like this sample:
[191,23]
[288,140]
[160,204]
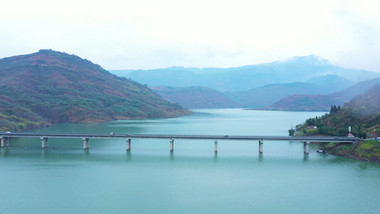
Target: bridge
[5,138]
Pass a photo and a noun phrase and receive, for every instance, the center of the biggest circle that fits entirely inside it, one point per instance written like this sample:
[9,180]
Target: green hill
[362,113]
[53,87]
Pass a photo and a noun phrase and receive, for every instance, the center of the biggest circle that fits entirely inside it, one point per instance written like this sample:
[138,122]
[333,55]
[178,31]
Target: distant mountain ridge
[54,87]
[297,69]
[267,95]
[307,102]
[196,97]
[366,104]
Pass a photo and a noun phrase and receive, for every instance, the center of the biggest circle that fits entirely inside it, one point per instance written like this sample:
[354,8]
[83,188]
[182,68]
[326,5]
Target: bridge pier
[216,146]
[129,144]
[261,146]
[4,141]
[85,143]
[44,142]
[171,144]
[306,147]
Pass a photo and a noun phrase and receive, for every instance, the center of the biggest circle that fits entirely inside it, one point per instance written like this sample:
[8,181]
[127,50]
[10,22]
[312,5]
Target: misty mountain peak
[310,59]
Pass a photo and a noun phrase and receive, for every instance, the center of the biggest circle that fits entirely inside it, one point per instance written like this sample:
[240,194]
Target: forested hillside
[53,87]
[362,113]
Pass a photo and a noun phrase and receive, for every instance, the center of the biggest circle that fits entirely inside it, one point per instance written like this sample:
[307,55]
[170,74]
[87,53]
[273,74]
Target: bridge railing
[5,138]
[194,137]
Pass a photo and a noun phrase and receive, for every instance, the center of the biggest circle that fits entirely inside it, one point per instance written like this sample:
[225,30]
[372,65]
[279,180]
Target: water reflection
[363,165]
[215,157]
[128,156]
[44,153]
[261,155]
[305,157]
[86,154]
[3,152]
[171,156]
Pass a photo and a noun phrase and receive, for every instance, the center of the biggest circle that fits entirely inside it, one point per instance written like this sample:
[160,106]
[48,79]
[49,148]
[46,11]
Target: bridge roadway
[5,137]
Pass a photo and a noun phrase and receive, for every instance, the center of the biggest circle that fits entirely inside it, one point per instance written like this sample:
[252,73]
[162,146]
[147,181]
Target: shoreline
[364,150]
[44,124]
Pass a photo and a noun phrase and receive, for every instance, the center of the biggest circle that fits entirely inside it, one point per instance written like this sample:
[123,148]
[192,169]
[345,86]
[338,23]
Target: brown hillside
[60,88]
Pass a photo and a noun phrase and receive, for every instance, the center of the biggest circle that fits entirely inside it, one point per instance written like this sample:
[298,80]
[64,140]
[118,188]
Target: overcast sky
[143,34]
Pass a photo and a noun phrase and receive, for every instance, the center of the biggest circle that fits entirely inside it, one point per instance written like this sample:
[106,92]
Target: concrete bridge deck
[5,137]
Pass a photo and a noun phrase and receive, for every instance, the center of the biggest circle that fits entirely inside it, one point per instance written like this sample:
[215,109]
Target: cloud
[359,26]
[147,34]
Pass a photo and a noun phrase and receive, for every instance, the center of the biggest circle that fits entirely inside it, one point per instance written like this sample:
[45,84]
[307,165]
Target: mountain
[196,97]
[330,83]
[360,117]
[53,87]
[299,102]
[366,104]
[297,69]
[362,113]
[307,102]
[267,95]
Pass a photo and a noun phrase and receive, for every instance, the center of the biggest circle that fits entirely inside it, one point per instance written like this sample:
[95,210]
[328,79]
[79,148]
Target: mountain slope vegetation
[196,97]
[310,102]
[362,113]
[53,87]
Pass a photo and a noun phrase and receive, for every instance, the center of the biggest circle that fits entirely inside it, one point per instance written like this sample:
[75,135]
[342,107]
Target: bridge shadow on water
[66,155]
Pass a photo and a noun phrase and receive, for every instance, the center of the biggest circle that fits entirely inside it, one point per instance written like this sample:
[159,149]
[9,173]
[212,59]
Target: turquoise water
[149,179]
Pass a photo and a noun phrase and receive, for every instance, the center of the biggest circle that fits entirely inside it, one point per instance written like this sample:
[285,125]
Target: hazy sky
[130,34]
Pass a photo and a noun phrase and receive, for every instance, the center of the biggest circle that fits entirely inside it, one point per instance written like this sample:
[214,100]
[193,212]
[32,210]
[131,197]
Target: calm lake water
[149,179]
